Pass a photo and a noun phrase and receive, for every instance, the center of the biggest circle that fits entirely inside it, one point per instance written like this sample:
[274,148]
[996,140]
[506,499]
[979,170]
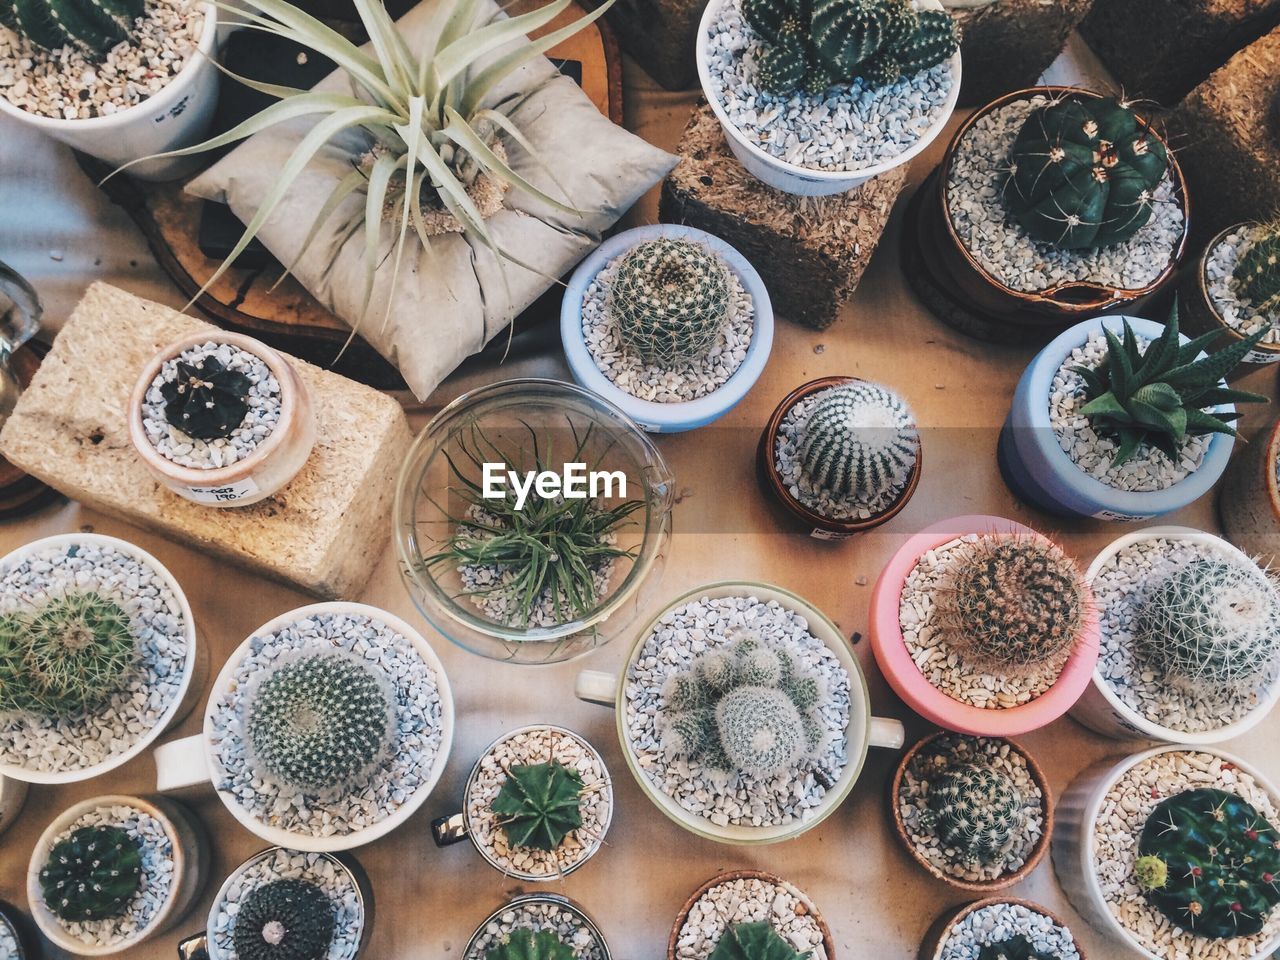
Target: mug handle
[180,764]
[595,686]
[886,732]
[193,948]
[446,831]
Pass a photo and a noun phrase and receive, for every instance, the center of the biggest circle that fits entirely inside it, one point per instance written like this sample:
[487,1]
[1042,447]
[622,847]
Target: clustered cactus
[531,945]
[92,874]
[320,723]
[1210,863]
[977,811]
[1257,275]
[284,920]
[1212,624]
[206,400]
[747,708]
[816,44]
[1084,172]
[1017,947]
[859,441]
[539,804]
[755,941]
[93,26]
[670,299]
[1010,603]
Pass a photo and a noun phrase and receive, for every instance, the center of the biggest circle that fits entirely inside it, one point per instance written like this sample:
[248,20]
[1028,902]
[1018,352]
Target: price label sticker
[227,493]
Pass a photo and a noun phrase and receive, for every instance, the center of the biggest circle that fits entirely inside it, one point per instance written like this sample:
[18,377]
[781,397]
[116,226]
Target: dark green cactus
[1015,948]
[755,941]
[94,26]
[284,920]
[531,945]
[538,805]
[206,400]
[784,66]
[1258,272]
[79,650]
[978,811]
[847,33]
[91,875]
[1222,863]
[767,16]
[931,41]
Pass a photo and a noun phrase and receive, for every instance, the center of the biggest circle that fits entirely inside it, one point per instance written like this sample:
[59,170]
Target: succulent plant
[1257,275]
[538,804]
[79,648]
[747,708]
[859,441]
[206,400]
[1212,624]
[92,874]
[670,300]
[1159,394]
[1222,862]
[531,945]
[1084,173]
[1010,603]
[978,811]
[320,723]
[93,26]
[755,941]
[284,920]
[1016,947]
[932,41]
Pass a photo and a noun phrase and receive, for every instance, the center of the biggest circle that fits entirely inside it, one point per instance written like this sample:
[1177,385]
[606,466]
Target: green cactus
[79,650]
[284,920]
[538,804]
[978,811]
[1257,275]
[784,66]
[531,945]
[768,16]
[1010,604]
[1016,947]
[929,42]
[1212,624]
[670,299]
[320,724]
[92,874]
[754,941]
[1150,873]
[847,33]
[859,441]
[94,26]
[1222,863]
[15,686]
[206,400]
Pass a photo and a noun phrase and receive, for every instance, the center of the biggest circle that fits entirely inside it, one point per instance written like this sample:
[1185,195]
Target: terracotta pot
[971,886]
[819,527]
[931,946]
[1249,498]
[728,877]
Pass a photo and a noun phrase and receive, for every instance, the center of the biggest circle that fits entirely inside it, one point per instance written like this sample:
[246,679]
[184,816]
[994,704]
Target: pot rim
[953,916]
[559,900]
[1202,290]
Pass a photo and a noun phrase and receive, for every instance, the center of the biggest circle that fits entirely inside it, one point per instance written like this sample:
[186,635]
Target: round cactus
[977,811]
[94,26]
[15,690]
[531,945]
[754,941]
[92,874]
[859,442]
[1017,947]
[847,33]
[784,65]
[79,650]
[1257,275]
[284,920]
[206,400]
[931,41]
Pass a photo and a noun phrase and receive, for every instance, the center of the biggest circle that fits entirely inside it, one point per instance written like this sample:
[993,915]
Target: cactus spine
[538,804]
[754,941]
[860,442]
[1257,275]
[531,945]
[92,874]
[94,26]
[977,811]
[284,920]
[206,400]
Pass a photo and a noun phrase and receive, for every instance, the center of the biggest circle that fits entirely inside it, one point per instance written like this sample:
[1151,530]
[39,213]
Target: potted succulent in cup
[1000,928]
[749,914]
[840,455]
[984,626]
[1173,852]
[537,805]
[118,81]
[668,322]
[221,419]
[817,98]
[538,925]
[98,657]
[112,872]
[975,812]
[1190,639]
[1249,498]
[1121,418]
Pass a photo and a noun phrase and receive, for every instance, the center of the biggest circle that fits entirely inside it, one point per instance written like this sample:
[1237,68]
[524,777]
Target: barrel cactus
[1222,861]
[539,804]
[1084,173]
[289,919]
[859,442]
[92,26]
[92,874]
[1016,947]
[754,941]
[977,811]
[206,400]
[1257,275]
[79,648]
[531,945]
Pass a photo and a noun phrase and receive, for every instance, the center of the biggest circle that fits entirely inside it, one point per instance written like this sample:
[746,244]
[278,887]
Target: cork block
[323,533]
[810,251]
[1160,49]
[660,36]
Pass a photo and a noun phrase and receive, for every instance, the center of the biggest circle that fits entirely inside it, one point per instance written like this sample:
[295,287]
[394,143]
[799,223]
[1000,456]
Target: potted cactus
[1000,928]
[749,915]
[538,926]
[840,455]
[670,323]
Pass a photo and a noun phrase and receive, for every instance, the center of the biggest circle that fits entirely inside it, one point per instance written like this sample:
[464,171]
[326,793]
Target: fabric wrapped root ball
[859,441]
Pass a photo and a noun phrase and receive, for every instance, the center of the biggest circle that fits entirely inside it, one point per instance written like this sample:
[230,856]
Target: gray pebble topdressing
[1236,310]
[538,915]
[1000,922]
[54,745]
[844,128]
[750,900]
[1008,253]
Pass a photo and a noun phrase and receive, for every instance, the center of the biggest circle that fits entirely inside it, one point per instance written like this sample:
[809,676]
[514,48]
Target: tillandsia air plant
[539,804]
[531,945]
[287,919]
[92,874]
[755,941]
[91,26]
[1257,275]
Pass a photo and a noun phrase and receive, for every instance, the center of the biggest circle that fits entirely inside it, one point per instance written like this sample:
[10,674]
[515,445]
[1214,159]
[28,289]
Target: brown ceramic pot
[931,946]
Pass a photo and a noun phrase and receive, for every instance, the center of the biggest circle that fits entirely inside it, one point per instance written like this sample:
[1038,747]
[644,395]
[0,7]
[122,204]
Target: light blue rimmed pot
[1039,472]
[666,417]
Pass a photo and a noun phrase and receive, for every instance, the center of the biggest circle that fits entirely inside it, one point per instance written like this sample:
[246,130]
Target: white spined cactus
[977,811]
[860,442]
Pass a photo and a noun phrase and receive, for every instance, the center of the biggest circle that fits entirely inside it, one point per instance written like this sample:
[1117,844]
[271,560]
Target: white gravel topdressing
[1092,450]
[154,885]
[9,947]
[280,864]
[1237,310]
[750,900]
[947,753]
[1124,812]
[650,381]
[67,85]
[939,663]
[536,915]
[1002,921]
[1121,588]
[415,744]
[263,414]
[76,742]
[985,226]
[844,128]
[676,641]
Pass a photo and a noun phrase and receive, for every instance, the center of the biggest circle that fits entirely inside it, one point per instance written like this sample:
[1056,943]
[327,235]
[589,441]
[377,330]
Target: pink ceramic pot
[926,699]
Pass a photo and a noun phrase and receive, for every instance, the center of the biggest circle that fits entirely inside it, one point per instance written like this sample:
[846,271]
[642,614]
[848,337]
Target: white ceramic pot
[191,761]
[791,177]
[554,900]
[1101,710]
[178,116]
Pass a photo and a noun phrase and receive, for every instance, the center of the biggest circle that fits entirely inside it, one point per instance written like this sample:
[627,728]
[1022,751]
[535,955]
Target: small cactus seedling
[1257,275]
[859,442]
[79,649]
[92,26]
[978,811]
[206,400]
[531,945]
[91,875]
[1222,859]
[284,920]
[755,941]
[1016,947]
[1212,624]
[538,805]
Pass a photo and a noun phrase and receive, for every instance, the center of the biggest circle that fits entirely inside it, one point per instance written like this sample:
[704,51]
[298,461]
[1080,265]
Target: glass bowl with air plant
[532,520]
